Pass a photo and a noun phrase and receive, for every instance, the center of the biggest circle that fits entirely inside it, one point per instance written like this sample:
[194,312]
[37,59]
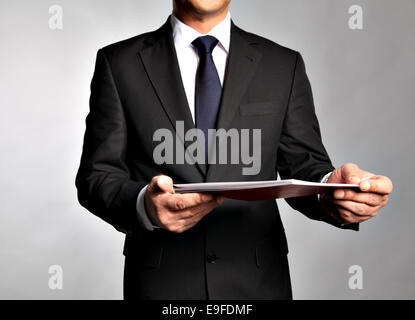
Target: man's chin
[206,8]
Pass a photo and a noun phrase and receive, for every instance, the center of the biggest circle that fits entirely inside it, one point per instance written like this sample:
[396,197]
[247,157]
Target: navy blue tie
[208,89]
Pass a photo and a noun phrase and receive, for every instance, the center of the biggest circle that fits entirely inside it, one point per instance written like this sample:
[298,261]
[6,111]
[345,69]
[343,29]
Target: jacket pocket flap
[148,254]
[258,108]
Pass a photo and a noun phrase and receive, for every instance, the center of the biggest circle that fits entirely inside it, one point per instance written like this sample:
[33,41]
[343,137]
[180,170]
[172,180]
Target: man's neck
[201,23]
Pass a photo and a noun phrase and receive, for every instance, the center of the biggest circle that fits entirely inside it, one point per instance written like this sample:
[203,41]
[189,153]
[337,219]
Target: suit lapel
[160,61]
[242,63]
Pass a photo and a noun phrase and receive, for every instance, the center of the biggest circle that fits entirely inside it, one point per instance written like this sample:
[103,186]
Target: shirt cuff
[326,177]
[143,218]
[324,180]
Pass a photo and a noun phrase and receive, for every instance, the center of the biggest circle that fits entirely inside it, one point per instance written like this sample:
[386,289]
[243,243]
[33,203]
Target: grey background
[363,83]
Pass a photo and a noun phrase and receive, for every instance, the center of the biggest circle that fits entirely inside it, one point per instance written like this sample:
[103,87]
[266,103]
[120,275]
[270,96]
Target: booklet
[261,190]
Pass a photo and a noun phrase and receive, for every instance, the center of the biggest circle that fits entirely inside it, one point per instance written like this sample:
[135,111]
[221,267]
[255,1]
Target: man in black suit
[198,246]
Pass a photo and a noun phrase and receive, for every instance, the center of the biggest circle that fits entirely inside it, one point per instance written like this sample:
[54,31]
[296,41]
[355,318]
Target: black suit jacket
[239,250]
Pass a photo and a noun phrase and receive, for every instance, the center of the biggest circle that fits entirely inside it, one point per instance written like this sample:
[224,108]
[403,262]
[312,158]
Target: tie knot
[205,44]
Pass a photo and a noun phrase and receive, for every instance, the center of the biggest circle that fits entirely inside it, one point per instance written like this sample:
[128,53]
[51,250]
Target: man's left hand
[349,206]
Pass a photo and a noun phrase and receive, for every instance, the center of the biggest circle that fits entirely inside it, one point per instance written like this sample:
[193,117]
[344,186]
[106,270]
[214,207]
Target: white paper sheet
[261,190]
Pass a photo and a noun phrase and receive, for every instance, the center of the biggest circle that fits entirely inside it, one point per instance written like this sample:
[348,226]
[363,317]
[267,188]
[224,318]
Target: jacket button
[211,258]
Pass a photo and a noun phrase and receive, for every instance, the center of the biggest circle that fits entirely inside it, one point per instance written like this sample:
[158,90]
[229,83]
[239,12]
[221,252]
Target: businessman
[200,71]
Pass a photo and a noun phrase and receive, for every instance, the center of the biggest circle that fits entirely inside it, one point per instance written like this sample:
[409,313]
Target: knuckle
[365,210]
[182,228]
[373,199]
[358,209]
[362,209]
[177,230]
[179,204]
[172,228]
[150,187]
[375,187]
[344,214]
[163,220]
[347,194]
[199,198]
[347,216]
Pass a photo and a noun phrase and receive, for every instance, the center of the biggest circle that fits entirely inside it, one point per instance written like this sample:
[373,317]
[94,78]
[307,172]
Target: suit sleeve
[103,180]
[301,154]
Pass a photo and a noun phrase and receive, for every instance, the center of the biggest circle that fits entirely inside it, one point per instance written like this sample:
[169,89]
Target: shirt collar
[184,35]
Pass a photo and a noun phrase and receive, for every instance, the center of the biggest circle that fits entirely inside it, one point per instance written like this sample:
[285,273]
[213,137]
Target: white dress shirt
[188,59]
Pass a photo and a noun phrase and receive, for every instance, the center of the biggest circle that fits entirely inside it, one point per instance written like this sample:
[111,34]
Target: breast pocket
[259,108]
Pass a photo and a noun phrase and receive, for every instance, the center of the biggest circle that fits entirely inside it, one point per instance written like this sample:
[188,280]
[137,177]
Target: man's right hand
[176,212]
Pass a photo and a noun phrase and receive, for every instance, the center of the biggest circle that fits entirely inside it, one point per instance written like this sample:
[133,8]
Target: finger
[369,198]
[377,184]
[356,208]
[198,213]
[178,221]
[179,202]
[161,183]
[188,220]
[341,214]
[194,211]
[185,227]
[348,217]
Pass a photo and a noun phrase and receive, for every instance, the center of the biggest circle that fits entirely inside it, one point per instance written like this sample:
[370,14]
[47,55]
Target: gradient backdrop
[363,83]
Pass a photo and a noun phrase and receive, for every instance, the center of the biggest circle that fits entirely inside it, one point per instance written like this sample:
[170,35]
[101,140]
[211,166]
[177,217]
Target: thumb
[353,174]
[336,176]
[349,173]
[161,183]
